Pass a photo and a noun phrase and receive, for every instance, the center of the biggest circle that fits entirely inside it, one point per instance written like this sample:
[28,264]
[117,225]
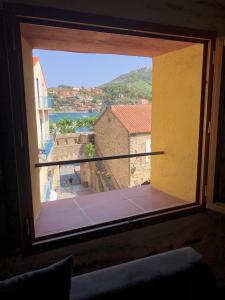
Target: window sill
[92,210]
[114,227]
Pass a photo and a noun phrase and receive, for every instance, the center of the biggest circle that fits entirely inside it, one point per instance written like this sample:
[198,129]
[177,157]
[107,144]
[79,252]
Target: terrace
[89,210]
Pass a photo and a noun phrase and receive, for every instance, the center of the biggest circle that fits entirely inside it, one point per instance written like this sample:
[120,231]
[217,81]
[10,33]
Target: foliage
[64,86]
[66,125]
[101,187]
[86,122]
[90,150]
[130,87]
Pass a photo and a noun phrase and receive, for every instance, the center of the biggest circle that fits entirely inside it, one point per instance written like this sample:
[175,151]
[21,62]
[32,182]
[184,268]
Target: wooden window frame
[14,15]
[217,130]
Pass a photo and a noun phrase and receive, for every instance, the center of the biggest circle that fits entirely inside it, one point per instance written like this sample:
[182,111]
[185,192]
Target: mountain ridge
[133,85]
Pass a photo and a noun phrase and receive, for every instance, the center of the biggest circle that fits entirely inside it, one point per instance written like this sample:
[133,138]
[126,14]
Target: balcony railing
[46,147]
[45,102]
[83,160]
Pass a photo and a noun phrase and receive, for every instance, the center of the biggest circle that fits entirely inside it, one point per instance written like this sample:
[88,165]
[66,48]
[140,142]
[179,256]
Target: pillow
[49,283]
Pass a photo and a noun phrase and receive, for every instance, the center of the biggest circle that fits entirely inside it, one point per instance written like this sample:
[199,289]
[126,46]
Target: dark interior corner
[196,229]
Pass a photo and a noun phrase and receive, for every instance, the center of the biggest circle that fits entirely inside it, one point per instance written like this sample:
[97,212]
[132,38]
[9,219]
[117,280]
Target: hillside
[130,87]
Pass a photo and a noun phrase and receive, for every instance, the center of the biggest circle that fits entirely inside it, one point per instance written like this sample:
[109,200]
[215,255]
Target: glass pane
[82,195]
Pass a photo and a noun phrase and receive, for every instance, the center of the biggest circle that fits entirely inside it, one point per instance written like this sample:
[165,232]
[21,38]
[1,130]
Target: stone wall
[90,177]
[70,145]
[111,138]
[74,138]
[139,166]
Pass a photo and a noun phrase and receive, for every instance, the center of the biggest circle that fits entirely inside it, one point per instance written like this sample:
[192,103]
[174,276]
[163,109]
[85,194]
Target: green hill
[129,87]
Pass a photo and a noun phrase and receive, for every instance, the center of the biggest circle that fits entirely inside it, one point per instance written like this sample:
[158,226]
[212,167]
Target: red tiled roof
[135,118]
[35,60]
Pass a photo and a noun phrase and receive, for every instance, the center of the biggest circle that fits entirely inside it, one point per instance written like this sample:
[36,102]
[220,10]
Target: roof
[135,118]
[35,60]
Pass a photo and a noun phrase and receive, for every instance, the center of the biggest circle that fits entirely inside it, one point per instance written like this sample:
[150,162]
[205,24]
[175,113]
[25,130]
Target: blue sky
[88,70]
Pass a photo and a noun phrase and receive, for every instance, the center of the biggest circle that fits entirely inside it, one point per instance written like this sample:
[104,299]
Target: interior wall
[206,14]
[31,121]
[176,97]
[3,218]
[204,232]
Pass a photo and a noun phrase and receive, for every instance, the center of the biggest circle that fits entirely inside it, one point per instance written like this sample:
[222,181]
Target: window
[172,118]
[178,118]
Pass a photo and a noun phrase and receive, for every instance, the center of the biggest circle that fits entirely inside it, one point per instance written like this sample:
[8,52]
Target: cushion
[179,275]
[52,282]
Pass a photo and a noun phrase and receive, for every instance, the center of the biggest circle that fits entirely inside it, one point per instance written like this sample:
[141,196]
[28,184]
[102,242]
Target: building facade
[45,142]
[125,129]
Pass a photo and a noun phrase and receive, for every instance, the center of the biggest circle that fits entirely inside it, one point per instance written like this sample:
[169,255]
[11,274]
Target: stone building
[125,129]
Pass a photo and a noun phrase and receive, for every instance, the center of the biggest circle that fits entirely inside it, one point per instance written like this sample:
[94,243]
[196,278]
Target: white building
[45,142]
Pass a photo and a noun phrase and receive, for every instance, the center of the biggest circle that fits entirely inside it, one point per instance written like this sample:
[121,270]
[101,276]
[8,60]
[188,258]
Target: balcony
[45,102]
[88,210]
[87,194]
[46,147]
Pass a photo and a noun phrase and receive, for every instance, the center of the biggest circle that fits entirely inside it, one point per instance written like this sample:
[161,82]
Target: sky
[88,70]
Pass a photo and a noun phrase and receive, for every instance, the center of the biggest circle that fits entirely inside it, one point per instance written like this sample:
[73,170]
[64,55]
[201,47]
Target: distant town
[79,99]
[131,88]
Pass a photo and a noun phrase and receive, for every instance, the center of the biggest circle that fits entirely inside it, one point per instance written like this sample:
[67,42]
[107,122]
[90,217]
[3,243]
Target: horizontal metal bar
[83,160]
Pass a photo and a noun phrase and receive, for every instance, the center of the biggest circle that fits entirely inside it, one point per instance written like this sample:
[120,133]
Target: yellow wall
[175,121]
[31,123]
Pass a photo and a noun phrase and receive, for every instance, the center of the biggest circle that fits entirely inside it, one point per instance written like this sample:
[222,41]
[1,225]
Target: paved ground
[70,183]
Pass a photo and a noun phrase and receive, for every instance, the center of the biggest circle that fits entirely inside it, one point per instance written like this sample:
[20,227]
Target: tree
[86,122]
[66,125]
